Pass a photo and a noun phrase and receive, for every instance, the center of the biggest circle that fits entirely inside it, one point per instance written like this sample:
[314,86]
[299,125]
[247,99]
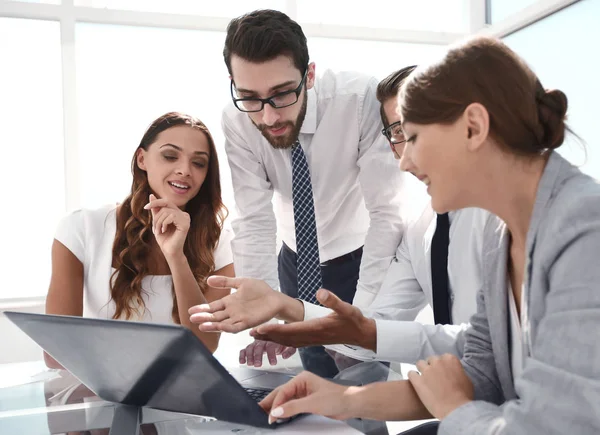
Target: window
[126,78]
[228,9]
[32,169]
[502,9]
[371,57]
[568,64]
[432,15]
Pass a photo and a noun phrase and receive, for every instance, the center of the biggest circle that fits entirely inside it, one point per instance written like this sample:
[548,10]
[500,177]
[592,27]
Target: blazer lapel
[496,301]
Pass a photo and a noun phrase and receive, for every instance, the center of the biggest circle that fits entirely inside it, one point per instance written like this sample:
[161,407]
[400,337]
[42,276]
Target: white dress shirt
[356,183]
[406,289]
[90,234]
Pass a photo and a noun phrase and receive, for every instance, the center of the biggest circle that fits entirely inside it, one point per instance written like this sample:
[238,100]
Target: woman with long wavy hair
[147,259]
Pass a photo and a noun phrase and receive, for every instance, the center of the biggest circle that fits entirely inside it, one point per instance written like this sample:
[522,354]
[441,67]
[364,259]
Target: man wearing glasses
[314,145]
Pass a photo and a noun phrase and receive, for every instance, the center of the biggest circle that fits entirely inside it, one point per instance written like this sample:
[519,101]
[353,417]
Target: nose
[183,169]
[406,163]
[270,115]
[397,149]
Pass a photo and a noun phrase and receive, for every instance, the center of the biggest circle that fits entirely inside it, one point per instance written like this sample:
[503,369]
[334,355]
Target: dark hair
[263,35]
[131,246]
[524,118]
[389,87]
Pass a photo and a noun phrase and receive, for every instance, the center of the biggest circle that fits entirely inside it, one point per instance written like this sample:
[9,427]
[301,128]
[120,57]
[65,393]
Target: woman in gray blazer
[482,130]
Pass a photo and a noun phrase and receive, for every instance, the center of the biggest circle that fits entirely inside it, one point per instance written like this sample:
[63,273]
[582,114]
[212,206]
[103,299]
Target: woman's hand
[308,393]
[170,226]
[442,385]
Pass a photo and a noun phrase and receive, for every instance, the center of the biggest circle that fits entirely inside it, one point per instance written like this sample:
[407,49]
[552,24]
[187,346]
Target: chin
[440,205]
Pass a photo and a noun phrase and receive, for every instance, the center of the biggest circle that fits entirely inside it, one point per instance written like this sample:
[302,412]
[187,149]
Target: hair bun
[552,108]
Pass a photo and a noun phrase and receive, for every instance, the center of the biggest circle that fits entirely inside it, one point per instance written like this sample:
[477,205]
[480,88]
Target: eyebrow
[272,89]
[180,149]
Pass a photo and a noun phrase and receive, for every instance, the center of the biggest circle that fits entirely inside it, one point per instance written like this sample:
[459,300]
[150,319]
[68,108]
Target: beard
[288,140]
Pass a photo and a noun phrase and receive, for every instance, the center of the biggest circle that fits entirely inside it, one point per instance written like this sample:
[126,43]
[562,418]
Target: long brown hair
[131,248]
[525,118]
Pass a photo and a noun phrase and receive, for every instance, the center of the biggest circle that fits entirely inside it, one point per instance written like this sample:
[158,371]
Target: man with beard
[314,145]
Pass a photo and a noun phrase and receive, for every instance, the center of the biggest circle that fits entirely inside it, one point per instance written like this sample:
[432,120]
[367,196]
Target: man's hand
[253,304]
[346,325]
[253,353]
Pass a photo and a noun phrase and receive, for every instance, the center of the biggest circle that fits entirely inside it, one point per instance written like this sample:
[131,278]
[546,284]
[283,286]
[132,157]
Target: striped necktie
[307,244]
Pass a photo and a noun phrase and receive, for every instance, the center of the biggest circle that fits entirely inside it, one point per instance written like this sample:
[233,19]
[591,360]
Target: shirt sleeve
[380,180]
[312,311]
[255,229]
[71,233]
[223,255]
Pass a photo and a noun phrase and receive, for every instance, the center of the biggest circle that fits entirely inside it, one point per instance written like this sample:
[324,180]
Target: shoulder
[417,228]
[85,218]
[80,229]
[223,254]
[576,204]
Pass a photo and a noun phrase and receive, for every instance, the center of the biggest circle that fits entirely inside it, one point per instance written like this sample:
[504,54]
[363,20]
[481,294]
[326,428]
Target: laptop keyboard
[257,394]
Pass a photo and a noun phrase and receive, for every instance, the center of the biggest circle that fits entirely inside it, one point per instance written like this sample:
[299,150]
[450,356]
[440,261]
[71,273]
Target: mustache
[263,127]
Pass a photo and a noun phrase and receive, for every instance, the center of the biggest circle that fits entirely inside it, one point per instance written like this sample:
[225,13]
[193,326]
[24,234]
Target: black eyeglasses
[394,135]
[277,101]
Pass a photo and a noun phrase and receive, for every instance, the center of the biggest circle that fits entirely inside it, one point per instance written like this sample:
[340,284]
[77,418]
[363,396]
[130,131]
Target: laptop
[153,365]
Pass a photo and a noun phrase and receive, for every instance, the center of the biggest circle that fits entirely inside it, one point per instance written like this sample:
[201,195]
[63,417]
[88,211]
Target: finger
[267,402]
[432,359]
[279,396]
[288,351]
[166,222]
[266,329]
[415,379]
[422,365]
[297,334]
[272,351]
[297,388]
[243,356]
[216,317]
[218,305]
[158,220]
[250,354]
[329,300]
[155,203]
[152,210]
[227,325]
[293,407]
[259,349]
[217,281]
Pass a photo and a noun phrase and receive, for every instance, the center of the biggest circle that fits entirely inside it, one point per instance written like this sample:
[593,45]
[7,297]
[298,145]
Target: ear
[140,156]
[477,121]
[310,76]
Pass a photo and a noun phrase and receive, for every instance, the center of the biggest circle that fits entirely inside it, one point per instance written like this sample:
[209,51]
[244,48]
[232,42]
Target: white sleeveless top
[89,235]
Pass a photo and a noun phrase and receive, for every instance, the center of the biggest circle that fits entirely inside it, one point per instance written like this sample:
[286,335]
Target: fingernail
[323,295]
[147,206]
[277,412]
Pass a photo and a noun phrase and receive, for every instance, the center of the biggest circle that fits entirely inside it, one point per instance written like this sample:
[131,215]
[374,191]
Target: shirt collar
[309,126]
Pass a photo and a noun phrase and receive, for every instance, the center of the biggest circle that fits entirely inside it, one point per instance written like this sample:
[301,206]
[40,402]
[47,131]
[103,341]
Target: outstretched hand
[345,325]
[253,304]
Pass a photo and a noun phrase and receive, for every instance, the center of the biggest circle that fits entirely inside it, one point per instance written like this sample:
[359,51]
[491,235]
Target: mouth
[423,178]
[279,131]
[179,187]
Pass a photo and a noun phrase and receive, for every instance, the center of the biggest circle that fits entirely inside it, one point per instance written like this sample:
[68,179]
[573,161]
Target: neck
[510,193]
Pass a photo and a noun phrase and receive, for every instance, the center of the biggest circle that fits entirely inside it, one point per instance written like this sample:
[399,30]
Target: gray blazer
[558,391]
